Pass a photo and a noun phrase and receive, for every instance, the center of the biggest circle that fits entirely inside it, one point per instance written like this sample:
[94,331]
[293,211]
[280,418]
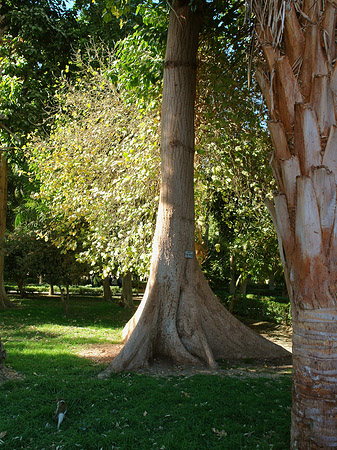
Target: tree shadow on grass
[86,312]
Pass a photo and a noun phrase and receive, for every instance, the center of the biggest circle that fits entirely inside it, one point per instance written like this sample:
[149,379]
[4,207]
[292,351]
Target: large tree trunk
[179,317]
[4,300]
[301,74]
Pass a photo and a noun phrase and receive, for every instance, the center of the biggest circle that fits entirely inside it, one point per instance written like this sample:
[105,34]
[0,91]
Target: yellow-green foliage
[99,174]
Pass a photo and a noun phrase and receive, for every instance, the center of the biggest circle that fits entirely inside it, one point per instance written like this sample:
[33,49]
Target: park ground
[277,333]
[51,355]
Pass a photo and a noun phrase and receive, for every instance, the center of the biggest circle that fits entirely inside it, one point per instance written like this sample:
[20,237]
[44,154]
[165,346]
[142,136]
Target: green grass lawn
[128,411]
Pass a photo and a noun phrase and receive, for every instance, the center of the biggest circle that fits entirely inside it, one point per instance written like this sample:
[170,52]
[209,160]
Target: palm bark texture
[298,79]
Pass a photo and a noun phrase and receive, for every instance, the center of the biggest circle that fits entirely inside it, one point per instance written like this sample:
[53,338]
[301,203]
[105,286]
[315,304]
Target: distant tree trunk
[106,289]
[179,317]
[127,297]
[51,289]
[3,354]
[232,272]
[234,295]
[201,249]
[299,82]
[65,298]
[243,286]
[68,292]
[272,282]
[4,300]
[21,288]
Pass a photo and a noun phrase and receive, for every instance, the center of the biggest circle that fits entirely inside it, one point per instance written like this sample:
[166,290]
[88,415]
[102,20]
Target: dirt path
[280,334]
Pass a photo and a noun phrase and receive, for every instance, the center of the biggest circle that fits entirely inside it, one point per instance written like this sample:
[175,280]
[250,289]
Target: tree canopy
[98,173]
[129,76]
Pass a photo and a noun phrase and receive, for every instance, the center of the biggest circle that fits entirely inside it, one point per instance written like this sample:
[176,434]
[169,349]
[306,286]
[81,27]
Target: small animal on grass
[3,353]
[60,412]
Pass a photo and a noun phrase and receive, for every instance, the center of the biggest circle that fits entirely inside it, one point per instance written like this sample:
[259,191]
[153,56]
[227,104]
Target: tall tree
[299,82]
[38,38]
[4,300]
[179,317]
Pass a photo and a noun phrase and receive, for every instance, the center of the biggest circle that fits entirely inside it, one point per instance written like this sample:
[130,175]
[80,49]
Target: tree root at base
[197,331]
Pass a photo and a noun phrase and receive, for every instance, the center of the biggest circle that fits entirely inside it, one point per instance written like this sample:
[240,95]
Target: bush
[273,309]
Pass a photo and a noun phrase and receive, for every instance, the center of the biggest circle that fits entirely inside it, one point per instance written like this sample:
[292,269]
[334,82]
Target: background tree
[232,171]
[98,174]
[30,50]
[139,57]
[298,78]
[39,38]
[8,89]
[61,269]
[4,300]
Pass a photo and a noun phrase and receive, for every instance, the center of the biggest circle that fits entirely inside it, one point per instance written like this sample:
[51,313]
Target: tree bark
[243,286]
[4,300]
[21,288]
[106,289]
[179,318]
[232,285]
[234,295]
[127,297]
[304,208]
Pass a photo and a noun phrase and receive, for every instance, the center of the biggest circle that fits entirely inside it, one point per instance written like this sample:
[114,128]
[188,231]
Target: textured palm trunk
[299,82]
[4,300]
[179,318]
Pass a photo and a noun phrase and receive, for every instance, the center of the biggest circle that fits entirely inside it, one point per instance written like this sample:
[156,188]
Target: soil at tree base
[279,334]
[7,374]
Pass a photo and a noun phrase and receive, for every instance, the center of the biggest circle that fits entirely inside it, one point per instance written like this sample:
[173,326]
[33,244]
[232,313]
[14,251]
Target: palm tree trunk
[299,82]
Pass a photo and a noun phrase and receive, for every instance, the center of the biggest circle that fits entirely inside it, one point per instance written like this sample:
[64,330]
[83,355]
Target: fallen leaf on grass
[3,434]
[145,413]
[219,433]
